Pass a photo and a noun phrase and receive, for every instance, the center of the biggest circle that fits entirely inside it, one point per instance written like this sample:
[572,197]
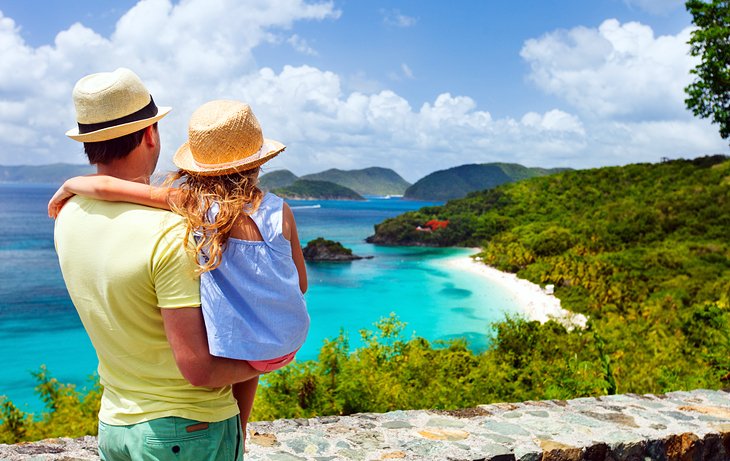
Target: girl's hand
[58,200]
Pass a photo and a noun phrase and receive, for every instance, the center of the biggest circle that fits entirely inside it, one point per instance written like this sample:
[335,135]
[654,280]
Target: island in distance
[367,181]
[55,173]
[321,249]
[334,184]
[440,185]
[459,181]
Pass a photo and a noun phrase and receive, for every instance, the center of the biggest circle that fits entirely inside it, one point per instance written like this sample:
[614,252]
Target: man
[136,292]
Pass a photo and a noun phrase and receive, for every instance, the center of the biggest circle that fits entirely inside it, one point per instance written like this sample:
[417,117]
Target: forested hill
[368,181]
[609,209]
[304,189]
[457,182]
[643,250]
[275,179]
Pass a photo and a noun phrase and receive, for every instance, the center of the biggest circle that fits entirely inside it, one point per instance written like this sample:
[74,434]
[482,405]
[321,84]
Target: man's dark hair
[106,151]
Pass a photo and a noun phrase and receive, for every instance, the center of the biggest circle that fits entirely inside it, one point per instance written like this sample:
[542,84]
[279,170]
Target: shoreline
[531,299]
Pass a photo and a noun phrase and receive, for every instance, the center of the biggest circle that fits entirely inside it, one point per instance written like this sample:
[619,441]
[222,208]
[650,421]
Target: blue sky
[411,85]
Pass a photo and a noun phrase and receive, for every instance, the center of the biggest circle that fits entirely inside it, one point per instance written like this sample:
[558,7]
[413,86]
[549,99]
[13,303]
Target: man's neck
[123,170]
[137,165]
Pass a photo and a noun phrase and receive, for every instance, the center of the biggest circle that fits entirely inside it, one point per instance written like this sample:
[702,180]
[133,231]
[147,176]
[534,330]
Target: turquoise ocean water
[38,324]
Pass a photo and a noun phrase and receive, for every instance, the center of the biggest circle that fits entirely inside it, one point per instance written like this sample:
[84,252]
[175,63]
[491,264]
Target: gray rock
[687,425]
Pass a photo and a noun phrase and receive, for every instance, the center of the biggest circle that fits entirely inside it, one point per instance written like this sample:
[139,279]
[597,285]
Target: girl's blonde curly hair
[236,194]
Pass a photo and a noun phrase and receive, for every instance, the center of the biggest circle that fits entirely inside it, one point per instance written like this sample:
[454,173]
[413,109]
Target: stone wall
[677,426]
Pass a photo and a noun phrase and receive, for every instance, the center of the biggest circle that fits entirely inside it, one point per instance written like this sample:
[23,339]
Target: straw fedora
[224,137]
[112,104]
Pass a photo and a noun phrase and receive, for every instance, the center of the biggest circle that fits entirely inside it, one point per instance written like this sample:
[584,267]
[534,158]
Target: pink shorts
[272,364]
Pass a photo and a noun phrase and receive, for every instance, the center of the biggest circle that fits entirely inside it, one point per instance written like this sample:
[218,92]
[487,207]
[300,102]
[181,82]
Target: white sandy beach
[534,303]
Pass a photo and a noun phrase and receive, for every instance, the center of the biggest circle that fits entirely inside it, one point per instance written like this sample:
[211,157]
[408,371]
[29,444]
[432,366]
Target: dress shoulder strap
[269,218]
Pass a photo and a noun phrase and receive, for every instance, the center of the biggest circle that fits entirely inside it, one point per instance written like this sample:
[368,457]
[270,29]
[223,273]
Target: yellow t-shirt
[121,264]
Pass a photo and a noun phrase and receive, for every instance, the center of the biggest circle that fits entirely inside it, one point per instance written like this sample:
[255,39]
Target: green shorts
[172,438]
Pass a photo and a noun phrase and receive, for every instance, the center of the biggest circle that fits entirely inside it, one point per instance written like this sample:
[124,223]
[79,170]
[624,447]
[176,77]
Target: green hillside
[56,173]
[303,189]
[368,181]
[276,179]
[458,181]
[644,250]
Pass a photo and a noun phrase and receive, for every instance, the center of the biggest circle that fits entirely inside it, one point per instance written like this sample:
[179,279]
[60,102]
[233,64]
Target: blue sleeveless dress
[252,305]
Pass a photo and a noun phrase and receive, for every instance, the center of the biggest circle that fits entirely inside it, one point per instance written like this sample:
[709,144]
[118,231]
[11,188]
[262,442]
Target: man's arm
[186,334]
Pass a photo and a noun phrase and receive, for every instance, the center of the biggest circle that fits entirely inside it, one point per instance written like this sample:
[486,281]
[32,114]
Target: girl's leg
[244,393]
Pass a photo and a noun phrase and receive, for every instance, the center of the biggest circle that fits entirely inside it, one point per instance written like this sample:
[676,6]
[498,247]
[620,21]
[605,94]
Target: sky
[412,85]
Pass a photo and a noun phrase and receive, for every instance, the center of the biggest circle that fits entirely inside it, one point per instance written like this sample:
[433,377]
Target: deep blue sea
[38,323]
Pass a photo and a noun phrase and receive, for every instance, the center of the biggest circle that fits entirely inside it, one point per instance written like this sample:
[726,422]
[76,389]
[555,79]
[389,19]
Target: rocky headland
[321,249]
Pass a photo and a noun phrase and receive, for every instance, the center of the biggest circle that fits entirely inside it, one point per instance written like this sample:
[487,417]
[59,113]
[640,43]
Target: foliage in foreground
[526,361]
[70,413]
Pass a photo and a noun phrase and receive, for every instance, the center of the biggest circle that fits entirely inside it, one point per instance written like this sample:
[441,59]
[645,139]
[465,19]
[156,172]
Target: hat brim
[184,160]
[117,131]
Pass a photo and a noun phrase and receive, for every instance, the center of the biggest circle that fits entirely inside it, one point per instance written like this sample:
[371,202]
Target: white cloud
[617,70]
[301,45]
[396,19]
[406,71]
[197,50]
[554,120]
[361,82]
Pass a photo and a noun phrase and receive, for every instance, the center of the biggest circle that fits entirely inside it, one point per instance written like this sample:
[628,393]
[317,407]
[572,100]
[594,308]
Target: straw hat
[112,104]
[224,137]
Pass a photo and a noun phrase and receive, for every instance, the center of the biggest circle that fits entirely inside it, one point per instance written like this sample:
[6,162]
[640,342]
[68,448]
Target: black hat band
[148,111]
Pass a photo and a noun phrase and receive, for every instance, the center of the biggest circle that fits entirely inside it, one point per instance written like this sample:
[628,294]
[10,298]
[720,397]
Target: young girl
[253,275]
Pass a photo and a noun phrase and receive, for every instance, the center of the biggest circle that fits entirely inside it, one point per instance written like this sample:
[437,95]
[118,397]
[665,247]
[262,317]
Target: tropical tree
[709,94]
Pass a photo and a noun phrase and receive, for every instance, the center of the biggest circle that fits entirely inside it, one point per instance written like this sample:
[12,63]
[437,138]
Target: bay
[39,325]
